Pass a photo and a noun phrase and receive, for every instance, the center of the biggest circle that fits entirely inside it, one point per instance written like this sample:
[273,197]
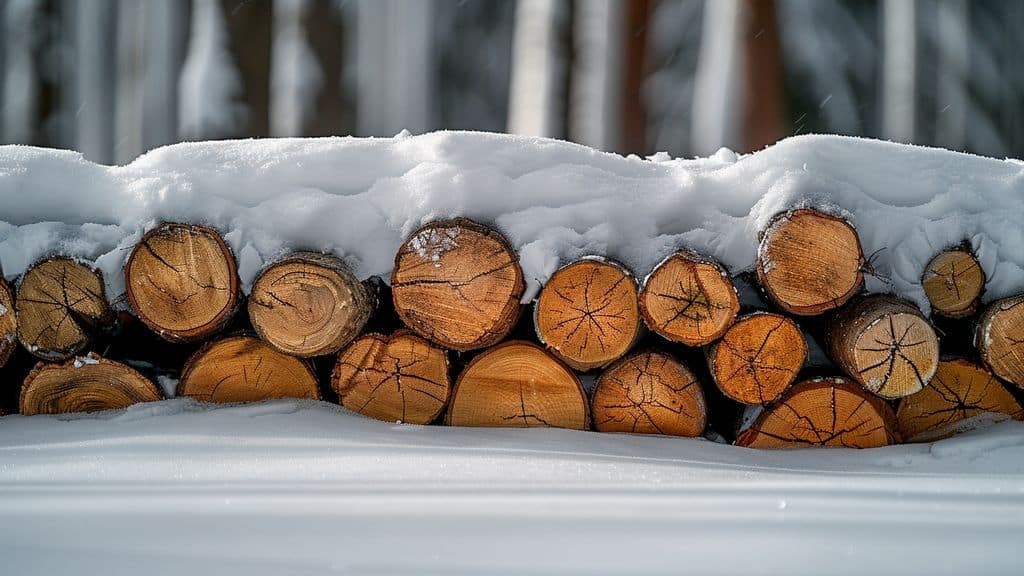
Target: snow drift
[359,197]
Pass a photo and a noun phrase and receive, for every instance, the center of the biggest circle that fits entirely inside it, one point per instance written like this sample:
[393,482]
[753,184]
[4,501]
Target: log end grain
[689,300]
[953,281]
[758,358]
[85,384]
[1000,339]
[401,377]
[649,393]
[8,323]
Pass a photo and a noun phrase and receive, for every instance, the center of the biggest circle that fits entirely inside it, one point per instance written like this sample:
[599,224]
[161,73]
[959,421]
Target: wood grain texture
[689,299]
[999,339]
[953,281]
[758,358]
[182,281]
[457,283]
[520,385]
[85,384]
[8,323]
[245,369]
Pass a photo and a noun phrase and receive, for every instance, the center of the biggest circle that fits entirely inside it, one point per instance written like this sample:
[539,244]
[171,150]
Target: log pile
[678,354]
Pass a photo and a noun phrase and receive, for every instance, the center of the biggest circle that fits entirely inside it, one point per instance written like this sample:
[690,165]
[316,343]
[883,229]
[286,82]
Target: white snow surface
[300,487]
[556,201]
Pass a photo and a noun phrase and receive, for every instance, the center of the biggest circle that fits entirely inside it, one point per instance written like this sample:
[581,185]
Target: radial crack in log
[182,281]
[962,396]
[85,384]
[1000,339]
[245,369]
[8,323]
[401,377]
[886,344]
[953,282]
[649,393]
[689,299]
[309,304]
[457,283]
[810,262]
[831,412]
[518,384]
[61,305]
[757,358]
[587,313]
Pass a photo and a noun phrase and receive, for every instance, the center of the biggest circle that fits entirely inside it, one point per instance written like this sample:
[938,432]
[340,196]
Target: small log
[999,338]
[309,304]
[757,358]
[85,384]
[245,369]
[8,323]
[587,314]
[61,307]
[457,283]
[810,262]
[689,299]
[182,281]
[962,396]
[953,282]
[400,377]
[823,412]
[649,393]
[517,384]
[885,344]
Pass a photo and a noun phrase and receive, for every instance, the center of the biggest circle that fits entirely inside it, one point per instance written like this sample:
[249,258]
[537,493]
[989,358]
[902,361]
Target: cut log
[962,396]
[649,393]
[182,281]
[823,412]
[1000,339]
[518,384]
[587,313]
[309,304]
[85,384]
[8,323]
[885,344]
[953,282]
[757,358]
[689,299]
[61,307]
[401,377]
[245,369]
[809,262]
[457,283]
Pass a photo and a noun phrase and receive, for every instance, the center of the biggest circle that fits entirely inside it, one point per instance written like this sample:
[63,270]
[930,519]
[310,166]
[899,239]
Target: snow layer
[556,201]
[294,487]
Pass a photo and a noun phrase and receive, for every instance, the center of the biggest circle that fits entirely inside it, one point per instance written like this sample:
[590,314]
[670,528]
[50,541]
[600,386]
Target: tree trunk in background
[538,68]
[954,54]
[324,25]
[595,103]
[898,69]
[395,67]
[763,85]
[249,24]
[209,86]
[93,73]
[634,115]
[20,84]
[718,82]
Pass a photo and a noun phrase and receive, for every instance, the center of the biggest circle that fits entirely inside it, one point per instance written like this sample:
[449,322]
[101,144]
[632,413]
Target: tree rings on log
[810,262]
[245,369]
[587,313]
[1000,339]
[649,393]
[520,385]
[886,344]
[953,282]
[757,358]
[60,306]
[401,377]
[182,281]
[84,384]
[8,323]
[823,412]
[962,396]
[457,283]
[309,304]
[689,300]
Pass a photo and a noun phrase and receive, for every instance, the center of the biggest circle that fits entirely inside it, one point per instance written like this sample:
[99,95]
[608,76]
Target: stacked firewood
[448,341]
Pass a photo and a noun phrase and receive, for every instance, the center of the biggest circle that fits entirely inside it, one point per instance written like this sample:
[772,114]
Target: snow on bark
[718,85]
[210,86]
[595,99]
[538,68]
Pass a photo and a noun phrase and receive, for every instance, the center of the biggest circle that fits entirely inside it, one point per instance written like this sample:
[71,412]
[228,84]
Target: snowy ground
[296,488]
[292,487]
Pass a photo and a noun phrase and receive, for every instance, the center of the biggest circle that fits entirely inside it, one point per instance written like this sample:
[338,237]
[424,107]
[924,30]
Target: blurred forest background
[114,78]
